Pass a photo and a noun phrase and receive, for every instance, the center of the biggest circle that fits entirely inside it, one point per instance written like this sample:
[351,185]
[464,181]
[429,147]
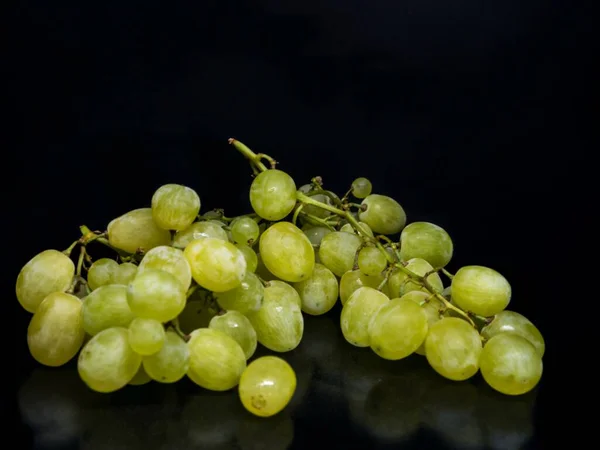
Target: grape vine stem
[249,154]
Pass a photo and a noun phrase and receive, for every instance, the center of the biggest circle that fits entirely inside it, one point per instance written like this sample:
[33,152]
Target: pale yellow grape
[244,231]
[281,289]
[480,290]
[196,314]
[430,306]
[216,360]
[175,207]
[453,348]
[146,336]
[319,292]
[237,326]
[401,284]
[106,307]
[273,194]
[286,252]
[510,364]
[357,313]
[156,294]
[316,234]
[361,187]
[171,362]
[513,322]
[216,265]
[102,272]
[140,378]
[383,214]
[267,386]
[245,298]
[348,228]
[170,260]
[47,272]
[338,251]
[137,230]
[55,333]
[426,241]
[371,261]
[250,257]
[262,271]
[354,279]
[107,362]
[125,273]
[199,230]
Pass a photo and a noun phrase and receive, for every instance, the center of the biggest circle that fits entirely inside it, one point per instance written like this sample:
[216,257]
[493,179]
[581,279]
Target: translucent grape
[146,336]
[510,364]
[286,252]
[453,348]
[196,314]
[400,283]
[124,274]
[338,251]
[426,241]
[315,210]
[107,362]
[171,362]
[250,257]
[354,279]
[175,207]
[106,307]
[199,230]
[216,360]
[361,187]
[273,194]
[47,272]
[430,306]
[245,298]
[217,265]
[513,322]
[156,294]
[319,292]
[316,234]
[383,214]
[237,326]
[358,311]
[262,271]
[371,261]
[140,378]
[348,228]
[102,272]
[267,386]
[245,231]
[306,188]
[170,260]
[137,230]
[480,290]
[55,333]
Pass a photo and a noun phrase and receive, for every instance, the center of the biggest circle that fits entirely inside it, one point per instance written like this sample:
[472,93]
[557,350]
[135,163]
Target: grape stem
[191,291]
[254,158]
[297,212]
[175,324]
[316,220]
[82,254]
[448,274]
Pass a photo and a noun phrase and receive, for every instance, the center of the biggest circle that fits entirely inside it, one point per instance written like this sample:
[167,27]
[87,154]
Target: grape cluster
[193,295]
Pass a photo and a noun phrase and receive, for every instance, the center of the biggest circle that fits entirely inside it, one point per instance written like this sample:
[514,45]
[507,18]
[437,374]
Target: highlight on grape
[192,294]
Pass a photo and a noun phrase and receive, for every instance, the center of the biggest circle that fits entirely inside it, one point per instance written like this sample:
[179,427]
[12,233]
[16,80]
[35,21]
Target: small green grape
[168,259]
[317,211]
[354,279]
[401,284]
[358,311]
[106,307]
[140,378]
[338,251]
[361,187]
[137,230]
[262,271]
[171,362]
[273,194]
[249,256]
[102,272]
[383,214]
[200,230]
[319,292]
[175,207]
[348,228]
[196,314]
[480,290]
[156,294]
[513,322]
[371,261]
[146,336]
[237,326]
[245,231]
[426,241]
[245,298]
[316,234]
[431,306]
[124,274]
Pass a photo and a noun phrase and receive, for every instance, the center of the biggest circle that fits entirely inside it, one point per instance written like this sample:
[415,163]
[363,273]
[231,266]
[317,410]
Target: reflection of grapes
[256,433]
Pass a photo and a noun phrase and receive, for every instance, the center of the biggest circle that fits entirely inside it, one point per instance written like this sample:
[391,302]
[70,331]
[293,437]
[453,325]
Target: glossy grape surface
[175,207]
[480,290]
[106,307]
[168,259]
[338,251]
[146,336]
[245,298]
[357,313]
[137,230]
[426,241]
[383,214]
[102,272]
[237,326]
[171,362]
[319,292]
[513,322]
[273,194]
[156,294]
[199,230]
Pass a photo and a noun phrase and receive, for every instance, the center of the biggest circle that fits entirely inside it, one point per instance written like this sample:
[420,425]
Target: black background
[468,113]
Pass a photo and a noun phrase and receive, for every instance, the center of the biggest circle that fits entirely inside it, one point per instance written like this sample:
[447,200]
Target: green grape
[156,294]
[171,362]
[262,271]
[286,252]
[361,187]
[170,260]
[106,307]
[401,284]
[267,386]
[55,333]
[371,261]
[137,230]
[397,329]
[447,293]
[237,326]
[199,230]
[175,207]
[306,188]
[146,336]
[430,306]
[480,290]
[47,272]
[107,362]
[216,360]
[453,348]
[196,314]
[279,323]
[217,265]
[319,292]
[510,364]
[102,272]
[249,256]
[140,378]
[513,322]
[354,279]
[383,214]
[273,194]
[316,211]
[426,241]
[348,228]
[245,298]
[338,251]
[358,311]
[124,274]
[244,231]
[316,234]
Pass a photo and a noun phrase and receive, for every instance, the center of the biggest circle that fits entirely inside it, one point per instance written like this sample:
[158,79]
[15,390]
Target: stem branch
[249,154]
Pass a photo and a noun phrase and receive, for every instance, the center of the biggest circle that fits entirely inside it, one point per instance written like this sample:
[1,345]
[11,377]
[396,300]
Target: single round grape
[432,308]
[156,294]
[354,279]
[245,298]
[146,336]
[358,311]
[199,230]
[361,187]
[426,241]
[510,364]
[55,333]
[237,326]
[267,386]
[286,252]
[107,362]
[140,378]
[106,307]
[371,261]
[196,314]
[244,231]
[383,214]
[316,211]
[137,230]
[171,362]
[102,272]
[316,234]
[348,228]
[513,322]
[170,260]
[249,256]
[175,207]
[480,290]
[401,284]
[338,251]
[216,360]
[47,272]
[124,274]
[319,292]
[262,271]
[273,194]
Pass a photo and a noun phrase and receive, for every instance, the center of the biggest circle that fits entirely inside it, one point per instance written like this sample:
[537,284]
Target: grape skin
[371,261]
[354,279]
[175,207]
[480,290]
[357,313]
[431,307]
[401,284]
[383,214]
[348,228]
[316,234]
[273,194]
[249,255]
[146,336]
[244,231]
[245,298]
[361,187]
[319,292]
[140,378]
[513,322]
[124,274]
[338,251]
[168,259]
[106,307]
[102,272]
[171,362]
[426,241]
[199,230]
[237,326]
[137,230]
[156,294]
